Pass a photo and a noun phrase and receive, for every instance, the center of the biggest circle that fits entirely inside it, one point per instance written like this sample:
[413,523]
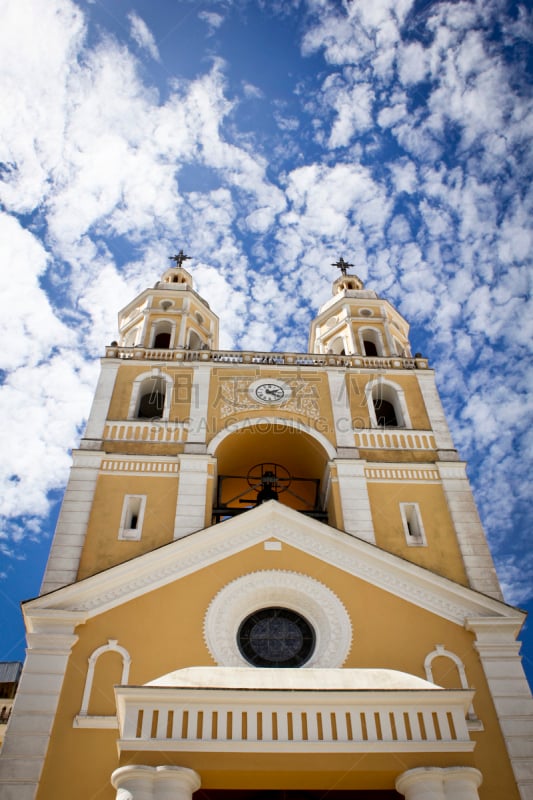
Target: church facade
[268,579]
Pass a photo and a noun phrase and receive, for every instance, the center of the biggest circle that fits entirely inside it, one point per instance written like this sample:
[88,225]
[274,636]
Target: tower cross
[342,265]
[180,258]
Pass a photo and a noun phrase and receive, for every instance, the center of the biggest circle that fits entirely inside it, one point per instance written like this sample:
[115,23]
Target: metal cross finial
[180,258]
[342,265]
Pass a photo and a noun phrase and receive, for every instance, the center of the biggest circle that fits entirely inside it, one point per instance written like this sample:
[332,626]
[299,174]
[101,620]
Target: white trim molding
[471,538]
[413,527]
[51,638]
[313,600]
[84,719]
[393,393]
[69,536]
[266,418]
[440,652]
[154,374]
[131,521]
[499,655]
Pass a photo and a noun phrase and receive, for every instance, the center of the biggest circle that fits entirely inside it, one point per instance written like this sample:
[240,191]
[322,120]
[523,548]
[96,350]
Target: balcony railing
[255,357]
[292,720]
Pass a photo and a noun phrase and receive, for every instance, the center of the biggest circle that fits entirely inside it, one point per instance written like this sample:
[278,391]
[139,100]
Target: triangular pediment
[272,522]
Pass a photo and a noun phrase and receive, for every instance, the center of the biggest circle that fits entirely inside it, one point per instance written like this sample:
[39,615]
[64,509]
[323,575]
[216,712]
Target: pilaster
[194,493]
[357,517]
[435,411]
[475,551]
[199,405]
[65,553]
[499,653]
[102,397]
[342,416]
[50,641]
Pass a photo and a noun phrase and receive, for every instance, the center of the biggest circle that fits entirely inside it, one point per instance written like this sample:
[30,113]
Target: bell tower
[269,579]
[358,322]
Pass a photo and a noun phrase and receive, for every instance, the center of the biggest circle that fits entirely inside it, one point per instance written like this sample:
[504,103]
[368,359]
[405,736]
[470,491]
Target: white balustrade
[166,718]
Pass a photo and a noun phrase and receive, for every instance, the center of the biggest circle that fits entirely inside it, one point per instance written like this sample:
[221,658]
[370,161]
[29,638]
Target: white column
[475,551]
[193,488]
[461,783]
[357,517]
[102,398]
[50,640]
[424,783]
[440,783]
[435,411]
[140,782]
[65,553]
[499,654]
[199,405]
[340,407]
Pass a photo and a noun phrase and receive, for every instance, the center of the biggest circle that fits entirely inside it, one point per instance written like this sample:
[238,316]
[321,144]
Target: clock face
[269,391]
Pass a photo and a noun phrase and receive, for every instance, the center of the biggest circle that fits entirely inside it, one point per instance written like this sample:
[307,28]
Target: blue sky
[266,139]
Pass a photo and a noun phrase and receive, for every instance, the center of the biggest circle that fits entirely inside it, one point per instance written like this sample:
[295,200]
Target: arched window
[369,348]
[152,399]
[151,395]
[162,335]
[385,413]
[337,346]
[371,342]
[386,404]
[195,343]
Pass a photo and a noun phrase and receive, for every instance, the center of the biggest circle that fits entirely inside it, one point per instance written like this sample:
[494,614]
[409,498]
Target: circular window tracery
[276,637]
[298,594]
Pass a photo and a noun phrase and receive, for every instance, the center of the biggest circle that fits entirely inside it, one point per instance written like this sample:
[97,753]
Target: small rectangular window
[132,517]
[412,524]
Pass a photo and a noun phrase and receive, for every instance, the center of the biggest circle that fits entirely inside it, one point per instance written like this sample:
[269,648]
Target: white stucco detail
[111,646]
[65,553]
[357,516]
[350,554]
[300,593]
[440,651]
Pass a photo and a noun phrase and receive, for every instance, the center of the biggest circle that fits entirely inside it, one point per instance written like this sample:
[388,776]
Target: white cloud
[142,36]
[212,19]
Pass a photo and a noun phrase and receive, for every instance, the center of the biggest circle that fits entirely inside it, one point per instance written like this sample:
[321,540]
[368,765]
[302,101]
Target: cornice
[359,558]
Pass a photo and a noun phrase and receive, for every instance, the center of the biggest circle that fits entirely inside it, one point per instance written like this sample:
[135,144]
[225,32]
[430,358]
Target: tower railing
[267,358]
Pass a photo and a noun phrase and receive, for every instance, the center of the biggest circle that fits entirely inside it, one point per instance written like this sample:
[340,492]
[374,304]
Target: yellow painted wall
[162,631]
[442,553]
[102,548]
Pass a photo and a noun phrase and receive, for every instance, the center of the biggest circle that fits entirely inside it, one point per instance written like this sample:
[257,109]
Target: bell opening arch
[271,458]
